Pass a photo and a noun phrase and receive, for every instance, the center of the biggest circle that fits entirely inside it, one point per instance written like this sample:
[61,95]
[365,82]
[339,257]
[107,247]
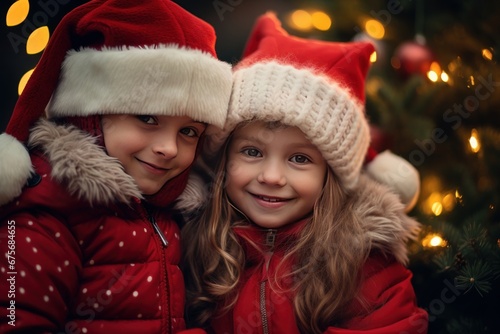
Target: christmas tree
[433,95]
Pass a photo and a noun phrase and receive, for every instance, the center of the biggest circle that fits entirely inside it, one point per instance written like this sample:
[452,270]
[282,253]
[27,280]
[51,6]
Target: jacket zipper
[164,243]
[270,239]
[158,231]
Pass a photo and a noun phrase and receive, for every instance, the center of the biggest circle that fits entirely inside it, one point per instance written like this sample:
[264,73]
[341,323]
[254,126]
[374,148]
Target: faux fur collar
[386,226]
[78,162]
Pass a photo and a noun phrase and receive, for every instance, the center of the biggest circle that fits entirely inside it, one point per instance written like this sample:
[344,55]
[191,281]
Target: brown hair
[328,256]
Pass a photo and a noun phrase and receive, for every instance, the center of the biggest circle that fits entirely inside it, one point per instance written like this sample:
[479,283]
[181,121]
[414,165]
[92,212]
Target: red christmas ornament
[412,58]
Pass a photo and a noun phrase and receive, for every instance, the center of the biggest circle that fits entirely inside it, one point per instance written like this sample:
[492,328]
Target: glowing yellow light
[486,53]
[435,67]
[448,202]
[444,77]
[23,81]
[433,240]
[471,80]
[17,13]
[375,29]
[433,76]
[436,241]
[37,40]
[373,57]
[437,208]
[301,20]
[321,21]
[474,143]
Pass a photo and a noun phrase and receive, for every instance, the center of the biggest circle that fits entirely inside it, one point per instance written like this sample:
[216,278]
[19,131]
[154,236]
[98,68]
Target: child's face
[273,176]
[152,149]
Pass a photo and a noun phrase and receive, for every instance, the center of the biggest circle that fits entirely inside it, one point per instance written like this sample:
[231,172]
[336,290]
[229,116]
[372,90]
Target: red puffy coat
[386,288]
[86,251]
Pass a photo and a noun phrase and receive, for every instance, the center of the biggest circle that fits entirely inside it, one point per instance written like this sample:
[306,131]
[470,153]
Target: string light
[321,21]
[17,12]
[474,142]
[487,54]
[304,20]
[37,40]
[374,29]
[433,240]
[23,81]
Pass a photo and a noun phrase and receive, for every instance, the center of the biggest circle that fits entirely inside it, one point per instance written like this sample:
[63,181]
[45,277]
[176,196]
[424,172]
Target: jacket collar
[385,224]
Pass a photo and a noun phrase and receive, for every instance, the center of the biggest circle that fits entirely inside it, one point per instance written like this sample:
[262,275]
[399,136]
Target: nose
[166,146]
[272,173]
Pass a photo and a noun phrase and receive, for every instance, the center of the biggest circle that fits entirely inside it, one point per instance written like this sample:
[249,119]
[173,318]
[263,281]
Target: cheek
[186,155]
[311,187]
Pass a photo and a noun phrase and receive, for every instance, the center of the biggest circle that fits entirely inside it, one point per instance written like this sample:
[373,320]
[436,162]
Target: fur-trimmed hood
[83,167]
[385,224]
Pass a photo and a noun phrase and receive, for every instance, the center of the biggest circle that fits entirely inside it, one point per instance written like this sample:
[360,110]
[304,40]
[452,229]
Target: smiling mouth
[271,199]
[152,166]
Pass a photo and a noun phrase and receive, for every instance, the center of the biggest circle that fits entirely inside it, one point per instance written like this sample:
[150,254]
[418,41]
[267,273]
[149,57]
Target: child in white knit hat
[295,237]
[87,194]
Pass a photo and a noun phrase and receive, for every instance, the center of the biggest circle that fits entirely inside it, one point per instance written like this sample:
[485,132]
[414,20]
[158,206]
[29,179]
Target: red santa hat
[317,86]
[118,57]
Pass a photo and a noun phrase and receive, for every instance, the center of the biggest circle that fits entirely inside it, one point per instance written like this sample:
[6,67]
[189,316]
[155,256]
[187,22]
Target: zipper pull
[271,238]
[158,231]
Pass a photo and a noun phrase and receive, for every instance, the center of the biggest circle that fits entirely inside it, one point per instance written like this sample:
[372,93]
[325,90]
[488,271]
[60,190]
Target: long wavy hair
[327,257]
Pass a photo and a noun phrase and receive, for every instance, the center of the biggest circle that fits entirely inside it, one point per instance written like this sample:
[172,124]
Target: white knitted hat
[317,86]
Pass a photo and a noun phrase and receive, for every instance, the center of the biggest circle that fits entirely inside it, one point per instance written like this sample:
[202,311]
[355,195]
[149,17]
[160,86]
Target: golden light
[374,29]
[474,143]
[301,20]
[433,76]
[23,81]
[433,205]
[487,54]
[321,21]
[472,81]
[437,208]
[435,67]
[17,12]
[373,57]
[448,202]
[433,240]
[444,77]
[37,40]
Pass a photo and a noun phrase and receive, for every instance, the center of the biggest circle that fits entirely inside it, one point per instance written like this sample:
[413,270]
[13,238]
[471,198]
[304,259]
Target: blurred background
[433,97]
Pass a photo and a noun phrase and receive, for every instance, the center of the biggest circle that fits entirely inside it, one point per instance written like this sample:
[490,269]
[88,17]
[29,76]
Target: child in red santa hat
[128,89]
[296,237]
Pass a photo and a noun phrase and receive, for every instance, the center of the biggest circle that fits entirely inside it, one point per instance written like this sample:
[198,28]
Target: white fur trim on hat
[163,80]
[398,174]
[326,112]
[15,168]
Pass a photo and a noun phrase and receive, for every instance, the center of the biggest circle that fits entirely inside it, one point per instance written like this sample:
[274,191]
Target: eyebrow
[307,145]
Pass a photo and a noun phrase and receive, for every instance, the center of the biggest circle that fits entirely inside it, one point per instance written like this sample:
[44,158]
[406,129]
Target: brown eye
[190,132]
[252,152]
[300,159]
[147,119]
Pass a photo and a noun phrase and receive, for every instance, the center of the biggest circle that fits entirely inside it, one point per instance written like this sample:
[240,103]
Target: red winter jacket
[386,288]
[86,252]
